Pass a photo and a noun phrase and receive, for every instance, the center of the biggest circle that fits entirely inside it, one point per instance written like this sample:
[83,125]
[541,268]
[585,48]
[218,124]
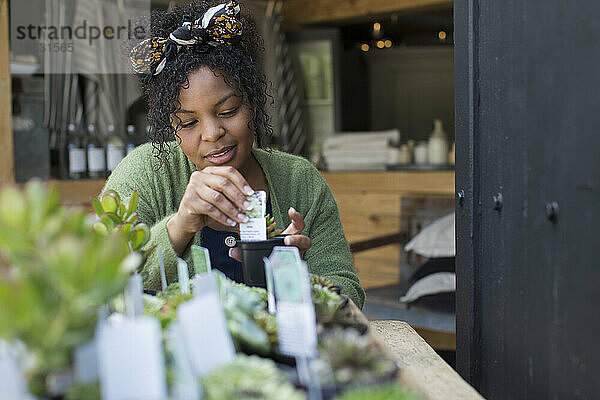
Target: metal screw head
[498,200]
[461,197]
[552,211]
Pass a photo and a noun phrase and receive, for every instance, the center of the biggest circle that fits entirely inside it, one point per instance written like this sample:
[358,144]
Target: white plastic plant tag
[296,329]
[204,328]
[255,229]
[183,274]
[163,274]
[85,361]
[205,284]
[296,321]
[130,360]
[271,307]
[201,258]
[184,384]
[12,382]
[285,254]
[134,303]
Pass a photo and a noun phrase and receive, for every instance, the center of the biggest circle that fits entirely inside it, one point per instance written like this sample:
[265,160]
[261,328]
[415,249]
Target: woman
[207,100]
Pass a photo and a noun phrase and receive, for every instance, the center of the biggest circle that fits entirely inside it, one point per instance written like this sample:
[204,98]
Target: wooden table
[422,370]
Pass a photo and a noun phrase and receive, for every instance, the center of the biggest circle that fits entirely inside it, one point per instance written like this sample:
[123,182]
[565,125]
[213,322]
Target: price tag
[183,274]
[131,362]
[204,327]
[201,258]
[184,384]
[255,229]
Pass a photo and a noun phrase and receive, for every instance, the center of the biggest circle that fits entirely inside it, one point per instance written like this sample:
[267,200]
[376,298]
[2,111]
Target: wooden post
[7,171]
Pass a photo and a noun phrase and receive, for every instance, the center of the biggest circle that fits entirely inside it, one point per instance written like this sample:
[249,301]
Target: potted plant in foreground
[60,271]
[253,253]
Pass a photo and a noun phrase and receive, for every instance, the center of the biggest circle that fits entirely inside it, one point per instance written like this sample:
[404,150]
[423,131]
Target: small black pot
[253,265]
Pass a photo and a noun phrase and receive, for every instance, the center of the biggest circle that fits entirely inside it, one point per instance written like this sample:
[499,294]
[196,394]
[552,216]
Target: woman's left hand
[294,231]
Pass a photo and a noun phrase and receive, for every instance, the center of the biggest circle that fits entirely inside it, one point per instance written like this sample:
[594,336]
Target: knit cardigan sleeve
[329,254]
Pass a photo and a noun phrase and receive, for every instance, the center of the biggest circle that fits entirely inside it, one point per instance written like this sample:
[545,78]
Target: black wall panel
[527,78]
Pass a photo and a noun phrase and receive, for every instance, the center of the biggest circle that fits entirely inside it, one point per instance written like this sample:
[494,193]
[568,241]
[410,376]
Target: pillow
[440,282]
[436,240]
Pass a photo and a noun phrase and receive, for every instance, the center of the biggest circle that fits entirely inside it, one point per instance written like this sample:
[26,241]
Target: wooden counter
[370,206]
[422,370]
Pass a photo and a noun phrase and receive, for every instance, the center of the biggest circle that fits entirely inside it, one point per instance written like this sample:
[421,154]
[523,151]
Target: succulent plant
[249,377]
[384,392]
[60,271]
[271,224]
[113,214]
[354,358]
[323,282]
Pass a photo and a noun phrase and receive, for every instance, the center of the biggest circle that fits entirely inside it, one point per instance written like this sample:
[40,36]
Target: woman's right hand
[217,193]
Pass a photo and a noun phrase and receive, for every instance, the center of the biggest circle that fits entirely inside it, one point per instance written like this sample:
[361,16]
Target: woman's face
[214,123]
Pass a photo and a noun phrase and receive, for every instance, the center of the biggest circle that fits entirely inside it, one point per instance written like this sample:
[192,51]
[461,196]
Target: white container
[404,155]
[438,145]
[421,153]
[393,155]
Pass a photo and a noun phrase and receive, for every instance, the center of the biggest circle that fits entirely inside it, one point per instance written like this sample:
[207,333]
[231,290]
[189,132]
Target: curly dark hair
[238,63]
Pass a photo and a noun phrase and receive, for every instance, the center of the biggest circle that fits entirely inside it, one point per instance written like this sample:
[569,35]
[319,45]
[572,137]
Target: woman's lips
[222,157]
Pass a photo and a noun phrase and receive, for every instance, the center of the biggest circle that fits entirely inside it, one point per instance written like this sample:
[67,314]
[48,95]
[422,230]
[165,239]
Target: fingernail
[293,209]
[287,241]
[243,217]
[231,222]
[247,205]
[248,190]
[230,252]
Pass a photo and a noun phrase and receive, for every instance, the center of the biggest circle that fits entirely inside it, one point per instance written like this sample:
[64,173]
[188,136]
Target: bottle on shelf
[130,138]
[96,157]
[76,162]
[115,149]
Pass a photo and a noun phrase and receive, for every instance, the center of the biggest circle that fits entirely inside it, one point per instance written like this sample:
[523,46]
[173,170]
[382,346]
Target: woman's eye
[189,124]
[229,113]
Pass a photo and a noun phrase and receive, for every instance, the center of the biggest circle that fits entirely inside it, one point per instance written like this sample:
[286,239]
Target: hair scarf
[218,25]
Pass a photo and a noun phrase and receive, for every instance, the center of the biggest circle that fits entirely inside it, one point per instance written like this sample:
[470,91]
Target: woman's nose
[212,130]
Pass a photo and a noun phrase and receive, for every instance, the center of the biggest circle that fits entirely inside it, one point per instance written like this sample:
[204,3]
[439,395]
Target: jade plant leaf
[109,202]
[97,206]
[133,203]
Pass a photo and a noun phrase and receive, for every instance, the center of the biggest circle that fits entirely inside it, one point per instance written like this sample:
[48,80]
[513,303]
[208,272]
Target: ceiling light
[442,35]
[380,44]
[388,43]
[364,47]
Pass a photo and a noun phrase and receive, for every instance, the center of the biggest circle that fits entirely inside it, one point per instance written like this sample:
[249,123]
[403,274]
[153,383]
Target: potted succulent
[60,271]
[253,253]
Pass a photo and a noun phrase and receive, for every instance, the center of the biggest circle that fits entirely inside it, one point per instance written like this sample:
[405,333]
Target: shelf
[78,192]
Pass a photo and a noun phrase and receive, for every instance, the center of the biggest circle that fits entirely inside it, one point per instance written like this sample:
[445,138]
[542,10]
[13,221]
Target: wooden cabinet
[370,206]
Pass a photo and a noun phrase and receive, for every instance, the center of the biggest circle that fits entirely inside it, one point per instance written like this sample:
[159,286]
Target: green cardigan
[293,182]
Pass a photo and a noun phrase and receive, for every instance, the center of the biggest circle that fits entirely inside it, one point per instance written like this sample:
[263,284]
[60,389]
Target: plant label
[131,363]
[184,385]
[286,254]
[201,258]
[85,361]
[204,328]
[12,381]
[163,274]
[296,320]
[134,303]
[255,229]
[183,274]
[271,307]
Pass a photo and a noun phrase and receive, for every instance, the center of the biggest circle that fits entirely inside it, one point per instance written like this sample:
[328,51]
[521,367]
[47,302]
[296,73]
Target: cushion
[435,240]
